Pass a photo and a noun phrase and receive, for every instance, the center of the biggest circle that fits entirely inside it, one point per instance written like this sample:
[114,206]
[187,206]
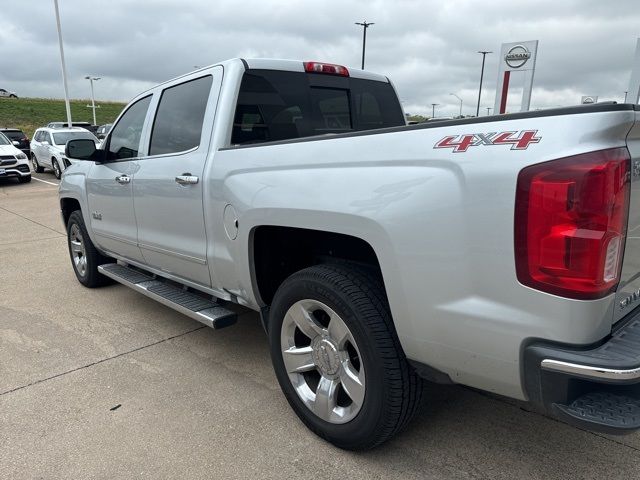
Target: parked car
[8,94]
[103,130]
[47,147]
[496,252]
[19,139]
[13,162]
[85,125]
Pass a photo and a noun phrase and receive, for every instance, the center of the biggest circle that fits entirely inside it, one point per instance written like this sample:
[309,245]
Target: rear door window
[277,105]
[179,118]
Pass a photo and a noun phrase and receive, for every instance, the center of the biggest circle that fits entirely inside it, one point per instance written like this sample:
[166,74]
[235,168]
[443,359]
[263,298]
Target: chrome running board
[188,303]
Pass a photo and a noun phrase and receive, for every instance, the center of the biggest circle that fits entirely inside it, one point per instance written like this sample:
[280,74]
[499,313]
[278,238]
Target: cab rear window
[275,105]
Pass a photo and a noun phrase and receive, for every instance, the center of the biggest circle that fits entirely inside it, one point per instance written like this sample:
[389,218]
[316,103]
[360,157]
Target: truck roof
[298,66]
[275,64]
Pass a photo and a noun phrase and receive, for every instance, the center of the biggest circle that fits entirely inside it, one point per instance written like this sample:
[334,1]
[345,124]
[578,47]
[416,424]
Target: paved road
[194,403]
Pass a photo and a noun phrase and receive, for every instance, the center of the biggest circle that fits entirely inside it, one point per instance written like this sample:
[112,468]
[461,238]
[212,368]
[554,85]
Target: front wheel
[34,163]
[85,258]
[338,359]
[56,168]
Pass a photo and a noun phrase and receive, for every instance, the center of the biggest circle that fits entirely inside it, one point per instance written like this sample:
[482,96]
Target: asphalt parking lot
[108,384]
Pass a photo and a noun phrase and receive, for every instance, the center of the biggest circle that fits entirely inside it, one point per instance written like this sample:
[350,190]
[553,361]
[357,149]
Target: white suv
[47,147]
[13,162]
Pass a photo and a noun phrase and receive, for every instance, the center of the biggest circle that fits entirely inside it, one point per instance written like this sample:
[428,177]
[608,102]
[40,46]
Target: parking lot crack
[22,242]
[32,221]
[102,360]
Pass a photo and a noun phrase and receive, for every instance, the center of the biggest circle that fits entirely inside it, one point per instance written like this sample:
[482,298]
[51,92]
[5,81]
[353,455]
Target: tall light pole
[364,25]
[460,102]
[433,109]
[625,96]
[484,54]
[93,100]
[64,68]
[489,110]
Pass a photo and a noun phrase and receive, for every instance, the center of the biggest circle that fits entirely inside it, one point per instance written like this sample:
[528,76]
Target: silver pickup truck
[502,252]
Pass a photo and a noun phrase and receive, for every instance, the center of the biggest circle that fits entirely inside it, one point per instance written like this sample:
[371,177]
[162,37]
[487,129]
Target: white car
[47,147]
[7,93]
[13,162]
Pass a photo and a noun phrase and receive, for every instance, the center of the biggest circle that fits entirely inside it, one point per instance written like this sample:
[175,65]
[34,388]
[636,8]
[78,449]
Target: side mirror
[83,149]
[15,143]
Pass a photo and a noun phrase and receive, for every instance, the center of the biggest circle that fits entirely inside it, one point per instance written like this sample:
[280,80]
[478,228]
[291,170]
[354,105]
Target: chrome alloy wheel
[78,252]
[323,361]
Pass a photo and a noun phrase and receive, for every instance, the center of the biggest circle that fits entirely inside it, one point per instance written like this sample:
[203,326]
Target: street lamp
[460,102]
[64,69]
[364,25]
[93,101]
[433,109]
[489,110]
[484,54]
[625,96]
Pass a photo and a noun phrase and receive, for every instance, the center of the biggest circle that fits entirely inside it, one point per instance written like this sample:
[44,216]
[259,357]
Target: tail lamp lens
[570,223]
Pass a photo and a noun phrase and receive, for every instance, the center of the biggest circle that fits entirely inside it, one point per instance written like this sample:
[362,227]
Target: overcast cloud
[428,48]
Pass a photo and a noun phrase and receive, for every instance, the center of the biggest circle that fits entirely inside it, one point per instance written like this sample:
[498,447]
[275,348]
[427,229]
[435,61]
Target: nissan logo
[517,56]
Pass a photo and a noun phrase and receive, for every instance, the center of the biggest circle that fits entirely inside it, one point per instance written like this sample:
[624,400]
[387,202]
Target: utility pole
[433,109]
[484,54]
[625,96]
[64,68]
[489,111]
[460,115]
[364,25]
[93,101]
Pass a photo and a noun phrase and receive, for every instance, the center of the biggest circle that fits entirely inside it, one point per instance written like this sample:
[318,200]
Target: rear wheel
[34,163]
[56,168]
[85,258]
[25,179]
[338,359]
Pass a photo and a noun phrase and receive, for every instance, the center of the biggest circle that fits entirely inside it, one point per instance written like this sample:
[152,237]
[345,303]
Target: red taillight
[571,222]
[318,67]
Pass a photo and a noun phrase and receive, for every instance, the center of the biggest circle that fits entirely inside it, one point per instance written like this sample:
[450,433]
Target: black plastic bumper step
[604,412]
[196,306]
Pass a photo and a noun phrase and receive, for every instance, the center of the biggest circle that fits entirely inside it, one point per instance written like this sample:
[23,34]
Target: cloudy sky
[428,48]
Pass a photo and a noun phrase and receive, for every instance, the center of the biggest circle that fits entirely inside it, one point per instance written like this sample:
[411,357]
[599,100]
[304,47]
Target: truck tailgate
[628,293]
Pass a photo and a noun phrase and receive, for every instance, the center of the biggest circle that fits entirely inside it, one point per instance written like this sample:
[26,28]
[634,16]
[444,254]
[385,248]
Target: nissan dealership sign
[517,56]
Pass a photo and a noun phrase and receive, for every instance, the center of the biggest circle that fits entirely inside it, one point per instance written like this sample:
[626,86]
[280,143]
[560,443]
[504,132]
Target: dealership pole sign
[516,57]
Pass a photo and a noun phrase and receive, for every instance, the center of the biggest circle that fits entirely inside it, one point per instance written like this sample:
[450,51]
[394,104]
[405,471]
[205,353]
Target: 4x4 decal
[519,140]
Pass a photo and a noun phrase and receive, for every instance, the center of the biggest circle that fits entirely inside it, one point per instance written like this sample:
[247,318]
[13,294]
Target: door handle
[187,179]
[123,179]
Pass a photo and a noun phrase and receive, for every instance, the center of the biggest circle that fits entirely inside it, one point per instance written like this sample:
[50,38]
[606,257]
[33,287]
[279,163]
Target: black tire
[35,164]
[12,96]
[57,172]
[91,278]
[393,390]
[26,179]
